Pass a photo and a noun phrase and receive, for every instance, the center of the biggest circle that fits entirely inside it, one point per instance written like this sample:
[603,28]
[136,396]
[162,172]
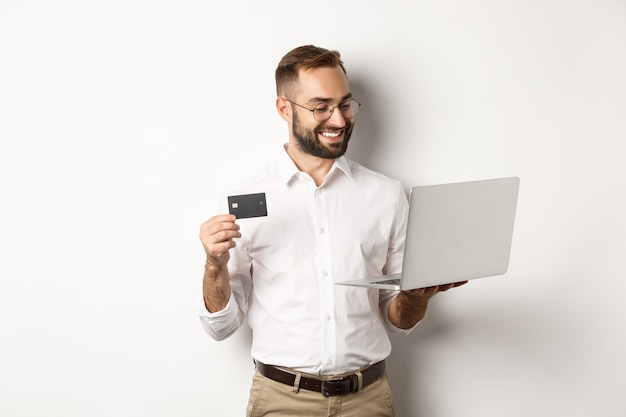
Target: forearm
[215,287]
[405,312]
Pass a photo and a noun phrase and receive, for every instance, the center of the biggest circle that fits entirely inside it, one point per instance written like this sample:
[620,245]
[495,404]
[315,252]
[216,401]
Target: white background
[120,122]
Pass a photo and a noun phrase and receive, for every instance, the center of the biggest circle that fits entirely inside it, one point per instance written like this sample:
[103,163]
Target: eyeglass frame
[332,108]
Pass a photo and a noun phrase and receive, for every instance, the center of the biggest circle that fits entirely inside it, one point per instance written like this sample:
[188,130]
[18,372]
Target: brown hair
[303,57]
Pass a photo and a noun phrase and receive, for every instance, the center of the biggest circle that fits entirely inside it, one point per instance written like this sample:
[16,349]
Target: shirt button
[325,273]
[327,317]
[329,362]
[322,231]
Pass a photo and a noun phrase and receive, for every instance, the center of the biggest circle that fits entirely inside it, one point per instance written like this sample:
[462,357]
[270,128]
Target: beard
[309,143]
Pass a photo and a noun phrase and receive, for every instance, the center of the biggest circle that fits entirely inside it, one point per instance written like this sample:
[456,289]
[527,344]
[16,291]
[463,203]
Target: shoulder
[372,177]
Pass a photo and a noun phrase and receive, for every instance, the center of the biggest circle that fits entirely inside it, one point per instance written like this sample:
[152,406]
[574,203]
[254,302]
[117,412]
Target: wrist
[211,266]
[405,311]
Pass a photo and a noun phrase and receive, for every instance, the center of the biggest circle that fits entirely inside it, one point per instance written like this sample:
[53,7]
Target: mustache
[333,129]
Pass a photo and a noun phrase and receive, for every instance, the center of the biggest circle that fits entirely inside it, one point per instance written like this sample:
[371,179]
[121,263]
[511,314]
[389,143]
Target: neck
[316,167]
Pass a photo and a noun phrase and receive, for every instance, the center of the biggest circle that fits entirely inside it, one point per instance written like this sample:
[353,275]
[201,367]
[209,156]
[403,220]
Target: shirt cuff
[223,313]
[223,323]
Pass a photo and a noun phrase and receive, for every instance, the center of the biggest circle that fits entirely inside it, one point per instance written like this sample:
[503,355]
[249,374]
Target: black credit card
[247,205]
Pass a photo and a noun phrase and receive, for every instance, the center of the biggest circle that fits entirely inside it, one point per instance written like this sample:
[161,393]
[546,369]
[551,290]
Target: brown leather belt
[328,387]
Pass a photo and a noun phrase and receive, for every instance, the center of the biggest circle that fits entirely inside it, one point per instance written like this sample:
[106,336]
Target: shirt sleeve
[221,324]
[395,254]
[384,305]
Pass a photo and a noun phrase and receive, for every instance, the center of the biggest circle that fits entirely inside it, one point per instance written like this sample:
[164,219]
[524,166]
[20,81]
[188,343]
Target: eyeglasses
[324,111]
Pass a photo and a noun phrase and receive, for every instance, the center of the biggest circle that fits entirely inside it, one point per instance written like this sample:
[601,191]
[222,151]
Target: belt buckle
[325,383]
[324,388]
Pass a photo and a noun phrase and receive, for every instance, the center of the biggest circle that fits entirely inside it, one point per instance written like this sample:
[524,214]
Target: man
[319,348]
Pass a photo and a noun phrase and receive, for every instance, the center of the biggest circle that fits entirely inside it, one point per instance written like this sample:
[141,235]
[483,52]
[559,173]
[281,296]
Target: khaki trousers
[269,398]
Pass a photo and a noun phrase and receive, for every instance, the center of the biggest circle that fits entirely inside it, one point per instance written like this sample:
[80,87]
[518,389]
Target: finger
[221,236]
[220,221]
[421,292]
[416,291]
[445,287]
[433,290]
[223,218]
[219,224]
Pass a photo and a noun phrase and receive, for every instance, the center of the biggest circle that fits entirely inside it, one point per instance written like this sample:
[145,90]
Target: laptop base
[383,282]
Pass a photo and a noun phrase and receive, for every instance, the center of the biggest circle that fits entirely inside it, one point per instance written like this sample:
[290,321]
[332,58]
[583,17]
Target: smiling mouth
[331,134]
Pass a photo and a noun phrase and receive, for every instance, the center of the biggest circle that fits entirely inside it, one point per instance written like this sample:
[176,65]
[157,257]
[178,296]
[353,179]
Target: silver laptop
[455,232]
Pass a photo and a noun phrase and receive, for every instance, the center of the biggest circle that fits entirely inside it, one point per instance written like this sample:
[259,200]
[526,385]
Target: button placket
[325,285]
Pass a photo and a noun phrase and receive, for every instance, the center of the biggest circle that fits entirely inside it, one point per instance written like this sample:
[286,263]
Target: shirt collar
[343,164]
[287,169]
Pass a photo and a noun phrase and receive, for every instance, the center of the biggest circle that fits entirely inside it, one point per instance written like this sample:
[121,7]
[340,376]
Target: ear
[284,108]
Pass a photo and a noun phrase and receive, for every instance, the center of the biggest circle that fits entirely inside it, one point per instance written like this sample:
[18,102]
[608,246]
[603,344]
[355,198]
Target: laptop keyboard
[395,281]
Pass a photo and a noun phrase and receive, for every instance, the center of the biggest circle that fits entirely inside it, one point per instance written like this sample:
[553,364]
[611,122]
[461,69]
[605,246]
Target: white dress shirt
[283,269]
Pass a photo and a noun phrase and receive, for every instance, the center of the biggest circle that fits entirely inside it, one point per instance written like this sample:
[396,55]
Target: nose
[336,118]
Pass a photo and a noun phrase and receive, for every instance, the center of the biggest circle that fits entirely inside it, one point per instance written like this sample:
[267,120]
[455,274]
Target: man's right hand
[217,236]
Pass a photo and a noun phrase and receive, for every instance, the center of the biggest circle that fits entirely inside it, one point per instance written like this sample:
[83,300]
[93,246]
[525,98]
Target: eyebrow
[327,100]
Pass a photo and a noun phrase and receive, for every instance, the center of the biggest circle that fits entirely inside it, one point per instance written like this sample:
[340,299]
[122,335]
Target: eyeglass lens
[348,108]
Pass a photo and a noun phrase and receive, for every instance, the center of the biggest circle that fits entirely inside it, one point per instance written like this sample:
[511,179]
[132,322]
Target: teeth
[331,134]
